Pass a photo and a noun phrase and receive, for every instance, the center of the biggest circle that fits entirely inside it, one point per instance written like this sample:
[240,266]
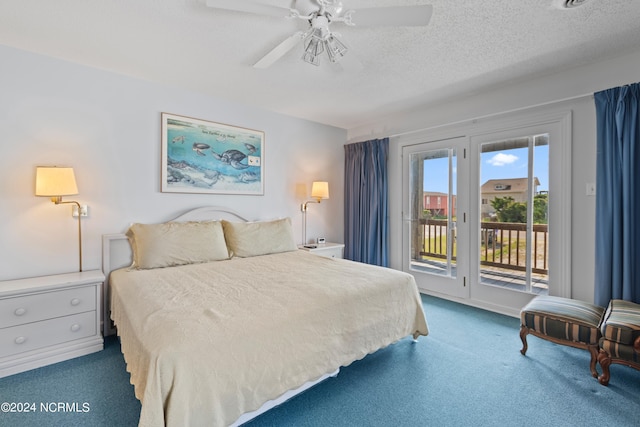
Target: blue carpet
[467,372]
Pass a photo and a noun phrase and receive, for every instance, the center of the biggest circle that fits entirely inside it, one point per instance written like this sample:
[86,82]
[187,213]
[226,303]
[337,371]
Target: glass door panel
[431,216]
[433,204]
[513,194]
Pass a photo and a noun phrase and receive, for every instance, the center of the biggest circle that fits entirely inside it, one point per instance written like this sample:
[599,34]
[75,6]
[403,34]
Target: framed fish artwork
[200,156]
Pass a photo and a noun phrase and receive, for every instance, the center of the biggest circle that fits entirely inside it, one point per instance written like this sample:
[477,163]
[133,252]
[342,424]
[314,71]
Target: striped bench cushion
[621,323]
[563,319]
[619,351]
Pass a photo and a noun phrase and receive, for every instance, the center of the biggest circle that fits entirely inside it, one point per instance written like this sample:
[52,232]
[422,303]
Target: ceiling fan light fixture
[335,48]
[313,49]
[320,40]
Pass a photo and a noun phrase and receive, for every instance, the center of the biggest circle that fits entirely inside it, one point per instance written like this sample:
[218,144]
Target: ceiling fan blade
[392,16]
[280,50]
[249,6]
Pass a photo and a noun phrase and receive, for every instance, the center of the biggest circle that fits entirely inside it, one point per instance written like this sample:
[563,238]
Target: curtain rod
[513,110]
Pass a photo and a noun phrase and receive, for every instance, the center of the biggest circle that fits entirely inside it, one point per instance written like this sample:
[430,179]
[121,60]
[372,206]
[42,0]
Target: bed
[216,333]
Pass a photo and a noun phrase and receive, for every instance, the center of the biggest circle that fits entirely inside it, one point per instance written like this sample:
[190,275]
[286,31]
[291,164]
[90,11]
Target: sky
[510,163]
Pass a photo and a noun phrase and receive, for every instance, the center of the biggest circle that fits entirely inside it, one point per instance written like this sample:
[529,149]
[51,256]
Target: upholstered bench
[620,342]
[563,321]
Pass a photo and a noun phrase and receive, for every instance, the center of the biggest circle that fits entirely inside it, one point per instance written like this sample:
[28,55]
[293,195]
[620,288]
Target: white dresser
[48,319]
[329,250]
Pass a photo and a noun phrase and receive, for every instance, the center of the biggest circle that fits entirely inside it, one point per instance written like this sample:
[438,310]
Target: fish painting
[199,146]
[231,157]
[248,177]
[200,156]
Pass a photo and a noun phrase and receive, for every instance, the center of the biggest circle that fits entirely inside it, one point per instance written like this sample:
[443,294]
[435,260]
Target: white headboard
[116,251]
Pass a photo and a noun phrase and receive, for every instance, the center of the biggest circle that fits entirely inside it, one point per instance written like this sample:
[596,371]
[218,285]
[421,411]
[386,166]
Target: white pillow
[176,243]
[247,239]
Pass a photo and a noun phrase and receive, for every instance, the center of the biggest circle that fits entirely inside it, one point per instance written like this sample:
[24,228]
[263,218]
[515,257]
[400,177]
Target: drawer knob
[20,340]
[76,301]
[20,311]
[75,327]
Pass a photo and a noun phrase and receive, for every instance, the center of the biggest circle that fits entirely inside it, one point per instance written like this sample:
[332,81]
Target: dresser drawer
[32,336]
[47,305]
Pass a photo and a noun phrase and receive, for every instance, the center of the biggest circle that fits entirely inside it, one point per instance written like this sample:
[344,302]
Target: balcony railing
[502,244]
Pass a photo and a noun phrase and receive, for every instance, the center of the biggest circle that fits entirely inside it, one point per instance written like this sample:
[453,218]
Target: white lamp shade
[320,190]
[53,181]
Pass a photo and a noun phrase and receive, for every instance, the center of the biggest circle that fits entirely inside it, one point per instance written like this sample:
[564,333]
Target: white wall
[107,126]
[560,91]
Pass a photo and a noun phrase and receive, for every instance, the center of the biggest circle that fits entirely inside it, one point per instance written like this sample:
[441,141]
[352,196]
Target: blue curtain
[617,272]
[366,201]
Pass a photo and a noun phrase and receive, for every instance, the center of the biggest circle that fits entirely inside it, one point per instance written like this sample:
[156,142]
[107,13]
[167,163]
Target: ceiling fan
[320,14]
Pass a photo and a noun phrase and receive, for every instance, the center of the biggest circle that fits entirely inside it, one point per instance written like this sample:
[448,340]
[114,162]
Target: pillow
[247,239]
[176,243]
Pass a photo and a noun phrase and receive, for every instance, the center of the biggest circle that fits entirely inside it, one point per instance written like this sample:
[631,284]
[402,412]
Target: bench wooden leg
[524,331]
[605,361]
[593,349]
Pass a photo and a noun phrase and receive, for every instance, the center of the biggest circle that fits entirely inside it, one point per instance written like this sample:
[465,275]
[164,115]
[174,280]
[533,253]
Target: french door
[478,212]
[518,197]
[434,213]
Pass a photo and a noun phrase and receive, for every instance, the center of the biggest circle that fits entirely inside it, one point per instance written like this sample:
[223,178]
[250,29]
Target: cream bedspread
[205,343]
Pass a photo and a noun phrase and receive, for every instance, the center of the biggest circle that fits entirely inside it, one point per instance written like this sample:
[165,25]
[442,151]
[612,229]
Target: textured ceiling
[468,45]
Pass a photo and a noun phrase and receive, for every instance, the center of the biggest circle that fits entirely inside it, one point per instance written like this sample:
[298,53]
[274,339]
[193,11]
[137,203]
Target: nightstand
[48,319]
[329,250]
